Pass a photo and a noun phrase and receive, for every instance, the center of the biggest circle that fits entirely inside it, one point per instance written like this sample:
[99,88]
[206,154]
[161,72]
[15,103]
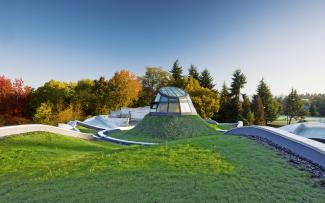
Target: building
[172,101]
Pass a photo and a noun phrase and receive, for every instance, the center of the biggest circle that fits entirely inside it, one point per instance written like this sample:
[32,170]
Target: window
[173,105]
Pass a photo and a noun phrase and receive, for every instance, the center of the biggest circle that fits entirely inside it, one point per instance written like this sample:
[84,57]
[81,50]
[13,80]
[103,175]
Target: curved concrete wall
[19,129]
[309,149]
[103,135]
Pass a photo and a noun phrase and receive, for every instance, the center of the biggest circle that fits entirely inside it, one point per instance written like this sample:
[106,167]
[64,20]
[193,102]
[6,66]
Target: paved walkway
[309,149]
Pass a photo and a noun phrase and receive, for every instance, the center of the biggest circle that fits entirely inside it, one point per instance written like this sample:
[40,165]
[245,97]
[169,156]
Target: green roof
[172,92]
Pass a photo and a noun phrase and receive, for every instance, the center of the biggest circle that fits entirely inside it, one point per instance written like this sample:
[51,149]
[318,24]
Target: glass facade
[172,101]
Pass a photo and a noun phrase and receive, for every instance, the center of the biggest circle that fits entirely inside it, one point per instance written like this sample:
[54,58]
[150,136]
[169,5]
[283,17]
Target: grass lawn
[87,130]
[45,167]
[222,126]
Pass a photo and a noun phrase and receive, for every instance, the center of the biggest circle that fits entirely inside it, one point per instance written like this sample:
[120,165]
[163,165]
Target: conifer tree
[192,72]
[206,79]
[177,76]
[238,82]
[270,105]
[246,111]
[293,106]
[258,110]
[223,114]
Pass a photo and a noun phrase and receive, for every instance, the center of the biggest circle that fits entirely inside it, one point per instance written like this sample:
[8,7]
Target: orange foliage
[13,97]
[124,89]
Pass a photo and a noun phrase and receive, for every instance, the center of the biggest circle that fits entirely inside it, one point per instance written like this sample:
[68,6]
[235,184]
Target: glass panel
[162,107]
[157,98]
[185,107]
[173,107]
[163,99]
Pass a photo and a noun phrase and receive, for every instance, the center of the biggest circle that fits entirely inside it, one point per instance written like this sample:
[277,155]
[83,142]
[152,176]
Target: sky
[282,41]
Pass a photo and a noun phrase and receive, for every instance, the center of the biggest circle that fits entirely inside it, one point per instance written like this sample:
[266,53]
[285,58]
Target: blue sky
[280,40]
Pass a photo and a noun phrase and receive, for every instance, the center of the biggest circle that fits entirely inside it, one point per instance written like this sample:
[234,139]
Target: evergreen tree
[312,110]
[246,111]
[258,109]
[269,104]
[293,106]
[223,114]
[177,77]
[192,72]
[238,82]
[206,79]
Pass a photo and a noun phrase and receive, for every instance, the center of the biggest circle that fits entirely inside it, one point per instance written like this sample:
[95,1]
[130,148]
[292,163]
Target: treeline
[316,104]
[59,102]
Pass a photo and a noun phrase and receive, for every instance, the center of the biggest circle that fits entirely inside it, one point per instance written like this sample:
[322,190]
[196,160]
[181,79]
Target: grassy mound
[46,167]
[171,127]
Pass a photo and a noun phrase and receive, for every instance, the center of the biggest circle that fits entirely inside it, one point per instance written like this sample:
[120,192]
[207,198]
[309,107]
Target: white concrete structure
[135,113]
[308,130]
[102,123]
[19,129]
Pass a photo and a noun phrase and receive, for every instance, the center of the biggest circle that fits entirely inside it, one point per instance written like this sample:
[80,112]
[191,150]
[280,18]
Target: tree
[54,92]
[270,105]
[293,106]
[177,77]
[238,82]
[206,79]
[85,97]
[153,79]
[102,93]
[258,110]
[223,114]
[192,72]
[205,101]
[247,115]
[312,110]
[13,99]
[321,107]
[124,88]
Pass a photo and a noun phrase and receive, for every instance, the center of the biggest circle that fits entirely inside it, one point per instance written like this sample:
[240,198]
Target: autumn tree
[124,88]
[205,101]
[13,99]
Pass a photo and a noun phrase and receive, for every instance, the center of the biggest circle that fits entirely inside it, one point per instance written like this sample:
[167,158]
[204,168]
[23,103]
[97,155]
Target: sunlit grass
[46,167]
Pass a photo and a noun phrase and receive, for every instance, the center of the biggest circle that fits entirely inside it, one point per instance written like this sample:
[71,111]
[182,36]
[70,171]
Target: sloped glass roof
[172,92]
[172,101]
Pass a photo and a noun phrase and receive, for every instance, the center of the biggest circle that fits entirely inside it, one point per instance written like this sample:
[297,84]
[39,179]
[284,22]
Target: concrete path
[309,149]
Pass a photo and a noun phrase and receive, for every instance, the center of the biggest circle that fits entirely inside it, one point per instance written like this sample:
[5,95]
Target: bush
[44,114]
